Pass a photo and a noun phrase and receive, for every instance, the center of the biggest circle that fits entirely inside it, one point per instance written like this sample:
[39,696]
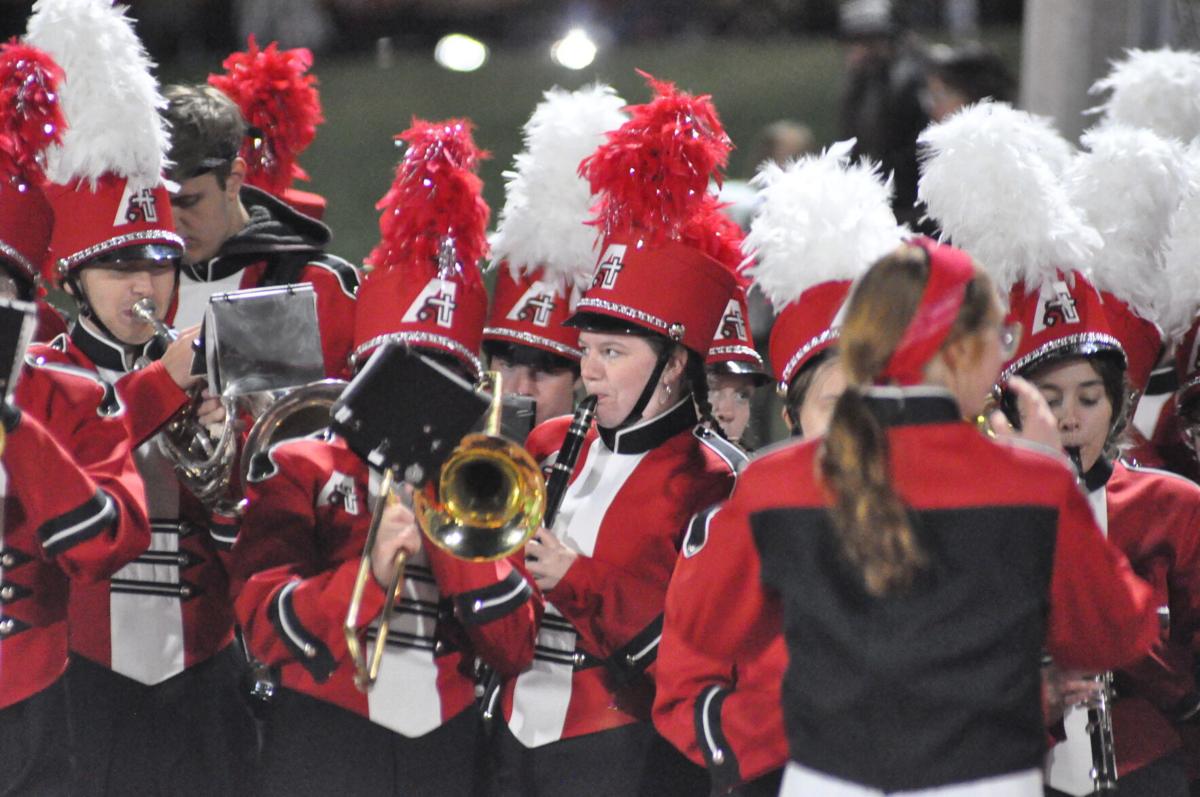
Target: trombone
[488,501]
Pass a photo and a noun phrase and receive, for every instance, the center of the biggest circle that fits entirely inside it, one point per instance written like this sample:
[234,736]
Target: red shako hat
[425,288]
[105,178]
[280,103]
[657,219]
[30,120]
[822,221]
[543,246]
[1063,316]
[732,350]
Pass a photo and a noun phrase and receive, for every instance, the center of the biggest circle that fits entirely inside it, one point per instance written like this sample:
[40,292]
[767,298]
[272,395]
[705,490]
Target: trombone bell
[489,500]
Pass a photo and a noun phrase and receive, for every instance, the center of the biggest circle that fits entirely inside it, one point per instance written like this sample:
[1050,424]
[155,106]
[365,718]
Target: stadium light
[576,50]
[460,53]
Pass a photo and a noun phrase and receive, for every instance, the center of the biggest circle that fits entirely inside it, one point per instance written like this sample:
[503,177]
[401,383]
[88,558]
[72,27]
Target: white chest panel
[146,612]
[193,297]
[405,698]
[1068,765]
[542,694]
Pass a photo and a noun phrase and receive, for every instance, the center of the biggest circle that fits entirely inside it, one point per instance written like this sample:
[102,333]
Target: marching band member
[153,684]
[237,235]
[1127,185]
[417,732]
[896,571]
[93,521]
[734,369]
[576,720]
[548,250]
[1153,517]
[1080,342]
[726,713]
[281,106]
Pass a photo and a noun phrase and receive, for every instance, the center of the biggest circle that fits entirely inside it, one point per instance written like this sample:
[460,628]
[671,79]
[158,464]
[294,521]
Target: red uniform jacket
[1154,518]
[170,608]
[625,512]
[296,559]
[73,510]
[721,712]
[279,246]
[1040,575]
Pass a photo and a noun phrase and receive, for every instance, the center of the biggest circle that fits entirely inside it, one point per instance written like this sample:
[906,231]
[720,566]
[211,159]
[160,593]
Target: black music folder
[407,412]
[17,323]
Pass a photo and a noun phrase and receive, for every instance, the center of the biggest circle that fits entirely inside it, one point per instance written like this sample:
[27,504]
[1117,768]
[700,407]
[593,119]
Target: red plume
[31,117]
[280,101]
[716,235]
[653,172]
[435,196]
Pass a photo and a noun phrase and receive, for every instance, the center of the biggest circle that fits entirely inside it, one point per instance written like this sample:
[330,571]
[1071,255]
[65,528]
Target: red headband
[950,270]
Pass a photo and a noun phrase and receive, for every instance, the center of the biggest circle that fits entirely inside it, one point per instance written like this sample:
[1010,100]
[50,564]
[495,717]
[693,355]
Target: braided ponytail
[872,522]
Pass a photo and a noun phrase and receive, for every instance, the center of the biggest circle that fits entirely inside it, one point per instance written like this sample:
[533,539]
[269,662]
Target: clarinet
[1099,717]
[488,691]
[564,463]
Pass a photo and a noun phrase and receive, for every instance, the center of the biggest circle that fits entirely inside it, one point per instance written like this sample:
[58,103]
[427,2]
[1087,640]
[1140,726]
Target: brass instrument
[556,490]
[488,501]
[293,413]
[203,462]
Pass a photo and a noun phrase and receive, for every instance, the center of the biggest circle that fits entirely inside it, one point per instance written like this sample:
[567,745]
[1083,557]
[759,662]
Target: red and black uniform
[1153,517]
[279,246]
[72,512]
[586,693]
[296,558]
[154,684]
[722,712]
[939,685]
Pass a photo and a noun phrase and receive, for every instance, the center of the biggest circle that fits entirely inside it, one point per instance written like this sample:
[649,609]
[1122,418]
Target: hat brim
[157,252]
[738,368]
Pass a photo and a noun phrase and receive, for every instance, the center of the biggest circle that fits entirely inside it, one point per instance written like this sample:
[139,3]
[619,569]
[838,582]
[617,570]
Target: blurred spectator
[292,23]
[959,76]
[881,106]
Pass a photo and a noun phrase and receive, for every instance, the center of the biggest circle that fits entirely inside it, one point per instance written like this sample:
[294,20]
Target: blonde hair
[871,520]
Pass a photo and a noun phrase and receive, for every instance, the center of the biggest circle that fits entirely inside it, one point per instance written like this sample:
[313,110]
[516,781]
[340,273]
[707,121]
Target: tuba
[488,500]
[203,461]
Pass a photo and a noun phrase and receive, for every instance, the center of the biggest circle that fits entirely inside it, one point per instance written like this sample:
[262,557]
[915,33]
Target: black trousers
[629,761]
[311,747]
[33,738]
[190,736]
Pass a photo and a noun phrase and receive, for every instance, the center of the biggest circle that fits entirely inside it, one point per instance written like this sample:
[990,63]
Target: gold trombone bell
[488,501]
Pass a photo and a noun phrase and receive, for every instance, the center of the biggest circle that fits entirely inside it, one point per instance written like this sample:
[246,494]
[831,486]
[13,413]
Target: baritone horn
[488,500]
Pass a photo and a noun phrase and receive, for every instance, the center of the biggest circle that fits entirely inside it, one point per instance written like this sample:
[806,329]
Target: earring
[667,390]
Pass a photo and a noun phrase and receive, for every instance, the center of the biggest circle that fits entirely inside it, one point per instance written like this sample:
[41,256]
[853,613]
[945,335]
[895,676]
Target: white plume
[109,95]
[1128,184]
[1155,89]
[820,218]
[1181,261]
[546,202]
[990,176]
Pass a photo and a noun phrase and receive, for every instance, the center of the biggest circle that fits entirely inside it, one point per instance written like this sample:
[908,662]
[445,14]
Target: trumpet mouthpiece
[145,309]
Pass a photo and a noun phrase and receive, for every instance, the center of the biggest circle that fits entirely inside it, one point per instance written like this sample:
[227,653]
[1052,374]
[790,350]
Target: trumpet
[489,499]
[203,462]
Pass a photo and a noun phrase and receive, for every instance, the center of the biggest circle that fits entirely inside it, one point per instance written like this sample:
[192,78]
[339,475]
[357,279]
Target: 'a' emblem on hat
[1057,306]
[733,325]
[435,303]
[534,306]
[136,206]
[609,267]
